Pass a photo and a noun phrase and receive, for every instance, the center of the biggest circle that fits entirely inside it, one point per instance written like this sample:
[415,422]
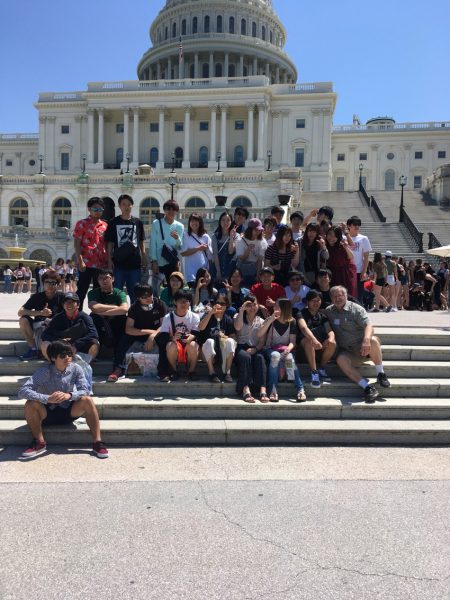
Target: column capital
[100,110]
[214,107]
[136,110]
[374,147]
[430,145]
[187,108]
[42,119]
[251,106]
[407,146]
[275,114]
[18,154]
[261,106]
[90,111]
[316,112]
[327,112]
[285,112]
[352,148]
[51,119]
[78,118]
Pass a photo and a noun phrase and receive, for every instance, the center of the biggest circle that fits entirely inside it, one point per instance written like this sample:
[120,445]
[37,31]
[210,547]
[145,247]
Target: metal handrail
[433,242]
[372,203]
[415,234]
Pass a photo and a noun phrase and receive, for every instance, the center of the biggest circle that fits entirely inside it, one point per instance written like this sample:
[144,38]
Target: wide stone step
[322,407]
[240,432]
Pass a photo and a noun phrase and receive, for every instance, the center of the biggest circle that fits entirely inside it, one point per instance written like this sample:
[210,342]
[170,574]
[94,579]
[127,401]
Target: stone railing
[61,97]
[236,38]
[6,137]
[167,84]
[395,127]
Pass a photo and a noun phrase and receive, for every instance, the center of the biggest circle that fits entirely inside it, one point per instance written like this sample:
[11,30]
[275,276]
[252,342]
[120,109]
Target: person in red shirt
[267,292]
[90,247]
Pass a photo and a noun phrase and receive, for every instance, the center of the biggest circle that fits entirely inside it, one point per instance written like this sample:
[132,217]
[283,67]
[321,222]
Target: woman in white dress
[196,249]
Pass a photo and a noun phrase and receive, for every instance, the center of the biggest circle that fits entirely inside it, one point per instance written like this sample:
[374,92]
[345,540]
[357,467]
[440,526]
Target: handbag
[168,253]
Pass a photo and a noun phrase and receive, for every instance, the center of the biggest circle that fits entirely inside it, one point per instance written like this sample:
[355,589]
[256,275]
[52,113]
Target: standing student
[168,232]
[196,249]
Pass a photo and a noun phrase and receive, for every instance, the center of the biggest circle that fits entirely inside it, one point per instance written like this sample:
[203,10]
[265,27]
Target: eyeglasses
[97,209]
[48,282]
[66,355]
[104,277]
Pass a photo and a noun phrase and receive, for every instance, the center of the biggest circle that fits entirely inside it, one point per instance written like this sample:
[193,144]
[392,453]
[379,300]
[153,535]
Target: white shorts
[390,280]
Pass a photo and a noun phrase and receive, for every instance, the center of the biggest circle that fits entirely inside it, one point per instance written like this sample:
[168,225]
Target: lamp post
[173,163]
[128,156]
[172,183]
[402,182]
[219,156]
[269,156]
[83,168]
[361,167]
[41,158]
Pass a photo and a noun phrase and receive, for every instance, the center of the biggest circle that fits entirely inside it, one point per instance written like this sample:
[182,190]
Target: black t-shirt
[314,320]
[126,237]
[281,328]
[39,300]
[148,319]
[225,325]
[326,298]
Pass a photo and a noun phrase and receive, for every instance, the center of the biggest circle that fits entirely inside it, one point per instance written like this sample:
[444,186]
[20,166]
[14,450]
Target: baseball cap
[268,270]
[388,253]
[255,224]
[71,296]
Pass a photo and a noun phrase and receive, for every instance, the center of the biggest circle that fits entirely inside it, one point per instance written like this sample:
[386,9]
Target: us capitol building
[216,111]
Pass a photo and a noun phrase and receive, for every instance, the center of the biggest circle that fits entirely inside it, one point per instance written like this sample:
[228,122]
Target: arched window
[154,156]
[61,213]
[119,157]
[18,212]
[192,71]
[166,33]
[241,201]
[178,157]
[243,27]
[389,180]
[271,36]
[263,33]
[205,70]
[203,157]
[218,70]
[195,202]
[183,27]
[174,30]
[245,71]
[231,70]
[239,156]
[42,256]
[195,25]
[219,24]
[206,24]
[231,25]
[253,29]
[148,210]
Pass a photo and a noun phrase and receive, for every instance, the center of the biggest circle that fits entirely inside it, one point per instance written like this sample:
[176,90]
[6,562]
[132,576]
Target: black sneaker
[192,376]
[383,380]
[213,378]
[370,393]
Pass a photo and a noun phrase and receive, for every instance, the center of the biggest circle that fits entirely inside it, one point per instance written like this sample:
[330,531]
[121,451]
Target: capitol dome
[219,38]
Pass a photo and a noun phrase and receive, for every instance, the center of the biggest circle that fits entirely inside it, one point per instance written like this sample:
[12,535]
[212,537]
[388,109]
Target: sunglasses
[97,209]
[66,355]
[50,282]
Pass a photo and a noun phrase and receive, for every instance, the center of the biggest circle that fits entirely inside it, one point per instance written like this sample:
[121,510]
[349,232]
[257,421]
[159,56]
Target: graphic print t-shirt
[121,233]
[184,325]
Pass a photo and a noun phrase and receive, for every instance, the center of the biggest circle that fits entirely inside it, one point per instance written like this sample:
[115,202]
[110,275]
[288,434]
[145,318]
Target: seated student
[317,337]
[109,308]
[181,327]
[267,292]
[176,282]
[218,337]
[235,292]
[143,322]
[296,291]
[73,326]
[203,287]
[323,285]
[37,311]
[58,393]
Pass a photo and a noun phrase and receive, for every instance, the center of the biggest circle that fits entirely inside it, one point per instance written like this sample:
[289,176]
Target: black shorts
[69,277]
[86,346]
[58,415]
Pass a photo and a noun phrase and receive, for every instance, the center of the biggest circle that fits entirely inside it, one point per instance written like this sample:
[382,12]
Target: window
[231,25]
[148,210]
[154,156]
[119,157]
[195,25]
[65,156]
[183,27]
[192,71]
[389,180]
[263,33]
[195,202]
[299,157]
[205,70]
[154,127]
[241,201]
[239,156]
[271,36]
[178,157]
[65,129]
[442,154]
[203,157]
[204,126]
[18,212]
[166,33]
[179,126]
[119,127]
[239,125]
[300,123]
[218,70]
[9,162]
[363,156]
[341,157]
[340,184]
[390,156]
[219,24]
[33,162]
[418,155]
[417,182]
[231,70]
[61,213]
[243,27]
[206,24]
[253,29]
[174,30]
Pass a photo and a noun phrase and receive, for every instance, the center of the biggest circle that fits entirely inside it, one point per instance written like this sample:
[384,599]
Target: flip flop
[301,396]
[249,398]
[264,398]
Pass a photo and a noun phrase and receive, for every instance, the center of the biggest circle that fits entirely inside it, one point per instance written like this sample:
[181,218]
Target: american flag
[180,49]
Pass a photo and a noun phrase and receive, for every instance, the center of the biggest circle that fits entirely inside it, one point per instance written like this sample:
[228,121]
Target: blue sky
[384,58]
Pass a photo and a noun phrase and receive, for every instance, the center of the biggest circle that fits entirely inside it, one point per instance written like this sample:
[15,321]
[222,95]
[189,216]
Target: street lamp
[128,156]
[41,158]
[83,158]
[172,183]
[219,156]
[402,182]
[269,156]
[361,167]
[173,163]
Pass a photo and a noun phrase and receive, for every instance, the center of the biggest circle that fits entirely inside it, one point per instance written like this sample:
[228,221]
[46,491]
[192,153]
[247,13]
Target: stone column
[211,64]
[407,166]
[267,69]
[101,137]
[351,169]
[90,152]
[255,66]
[223,134]
[251,134]
[277,74]
[126,133]
[196,65]
[241,65]
[78,148]
[374,166]
[226,64]
[160,163]
[135,161]
[261,122]
[169,68]
[186,164]
[213,144]
[284,139]
[42,138]
[316,113]
[158,70]
[285,77]
[51,147]
[430,148]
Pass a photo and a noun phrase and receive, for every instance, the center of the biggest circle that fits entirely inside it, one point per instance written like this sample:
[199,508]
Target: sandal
[264,398]
[301,396]
[249,398]
[273,397]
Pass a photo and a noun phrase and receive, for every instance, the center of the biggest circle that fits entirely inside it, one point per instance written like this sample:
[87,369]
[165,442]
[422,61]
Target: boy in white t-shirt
[182,326]
[361,248]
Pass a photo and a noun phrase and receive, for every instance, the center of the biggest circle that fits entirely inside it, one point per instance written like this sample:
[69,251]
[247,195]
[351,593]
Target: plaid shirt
[91,233]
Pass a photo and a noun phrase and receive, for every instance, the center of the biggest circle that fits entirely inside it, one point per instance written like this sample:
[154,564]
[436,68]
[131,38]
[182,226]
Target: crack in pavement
[313,564]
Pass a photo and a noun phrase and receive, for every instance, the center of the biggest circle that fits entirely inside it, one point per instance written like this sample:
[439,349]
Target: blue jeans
[128,277]
[8,287]
[273,360]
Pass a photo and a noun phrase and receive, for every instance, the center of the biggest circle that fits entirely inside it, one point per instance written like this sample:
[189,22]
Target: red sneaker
[35,449]
[100,450]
